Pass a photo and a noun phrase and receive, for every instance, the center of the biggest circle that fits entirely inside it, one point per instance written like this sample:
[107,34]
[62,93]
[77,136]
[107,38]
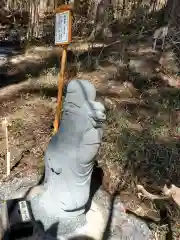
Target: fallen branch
[172,192]
[146,194]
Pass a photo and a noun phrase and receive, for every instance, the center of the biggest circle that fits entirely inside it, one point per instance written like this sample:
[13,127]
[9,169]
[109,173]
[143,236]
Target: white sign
[62,27]
[24,211]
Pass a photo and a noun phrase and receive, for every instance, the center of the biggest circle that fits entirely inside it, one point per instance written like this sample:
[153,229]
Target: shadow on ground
[12,74]
[147,135]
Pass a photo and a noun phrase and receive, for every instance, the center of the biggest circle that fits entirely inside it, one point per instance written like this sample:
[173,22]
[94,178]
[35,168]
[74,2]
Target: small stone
[53,99]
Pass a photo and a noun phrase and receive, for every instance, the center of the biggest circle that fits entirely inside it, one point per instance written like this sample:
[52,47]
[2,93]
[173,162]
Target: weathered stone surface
[3,219]
[122,226]
[60,203]
[69,161]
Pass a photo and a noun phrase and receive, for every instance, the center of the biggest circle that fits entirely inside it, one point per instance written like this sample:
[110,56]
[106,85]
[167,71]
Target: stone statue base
[122,226]
[56,226]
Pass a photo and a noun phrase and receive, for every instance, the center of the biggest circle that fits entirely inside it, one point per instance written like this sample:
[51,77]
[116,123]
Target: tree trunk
[174,29]
[103,19]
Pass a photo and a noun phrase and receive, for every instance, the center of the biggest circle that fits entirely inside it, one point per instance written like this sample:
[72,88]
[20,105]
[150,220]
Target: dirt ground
[141,137]
[30,116]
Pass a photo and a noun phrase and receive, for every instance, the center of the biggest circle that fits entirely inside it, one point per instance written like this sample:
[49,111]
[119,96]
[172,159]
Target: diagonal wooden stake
[60,89]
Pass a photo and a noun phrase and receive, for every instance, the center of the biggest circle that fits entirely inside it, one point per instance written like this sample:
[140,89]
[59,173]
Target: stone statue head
[79,91]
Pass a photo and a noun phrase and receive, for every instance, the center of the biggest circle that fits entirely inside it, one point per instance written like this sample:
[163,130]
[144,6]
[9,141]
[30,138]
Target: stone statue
[69,161]
[59,204]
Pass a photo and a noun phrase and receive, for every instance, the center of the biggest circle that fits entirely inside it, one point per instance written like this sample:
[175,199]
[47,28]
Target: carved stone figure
[69,161]
[59,204]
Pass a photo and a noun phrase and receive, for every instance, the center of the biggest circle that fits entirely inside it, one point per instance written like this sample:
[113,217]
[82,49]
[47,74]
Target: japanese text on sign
[24,211]
[62,27]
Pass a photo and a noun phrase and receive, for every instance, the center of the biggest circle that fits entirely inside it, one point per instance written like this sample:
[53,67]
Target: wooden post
[60,89]
[63,37]
[8,160]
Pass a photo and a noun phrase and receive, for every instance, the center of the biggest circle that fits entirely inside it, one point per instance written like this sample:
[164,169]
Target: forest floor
[142,131]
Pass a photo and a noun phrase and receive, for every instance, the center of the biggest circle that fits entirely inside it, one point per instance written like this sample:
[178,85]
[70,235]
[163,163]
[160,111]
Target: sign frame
[61,10]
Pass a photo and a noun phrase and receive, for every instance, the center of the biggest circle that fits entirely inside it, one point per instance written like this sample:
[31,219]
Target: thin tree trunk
[174,29]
